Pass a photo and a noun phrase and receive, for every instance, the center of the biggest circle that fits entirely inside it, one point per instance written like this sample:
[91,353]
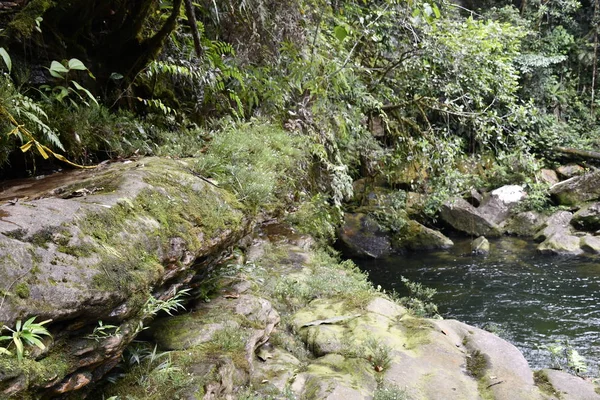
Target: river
[532,300]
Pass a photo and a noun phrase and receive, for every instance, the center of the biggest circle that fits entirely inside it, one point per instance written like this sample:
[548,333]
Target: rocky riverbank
[261,313]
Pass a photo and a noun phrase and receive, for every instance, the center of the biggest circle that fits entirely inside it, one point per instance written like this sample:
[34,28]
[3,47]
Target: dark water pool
[534,300]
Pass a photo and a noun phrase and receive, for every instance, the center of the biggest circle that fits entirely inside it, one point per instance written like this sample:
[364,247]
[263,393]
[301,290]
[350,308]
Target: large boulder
[415,236]
[557,237]
[567,386]
[578,189]
[498,205]
[557,222]
[526,223]
[486,219]
[587,218]
[463,217]
[105,246]
[570,170]
[361,236]
[561,243]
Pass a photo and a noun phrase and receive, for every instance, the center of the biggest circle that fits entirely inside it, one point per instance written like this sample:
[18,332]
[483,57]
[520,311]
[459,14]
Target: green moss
[476,364]
[23,24]
[543,383]
[417,331]
[22,290]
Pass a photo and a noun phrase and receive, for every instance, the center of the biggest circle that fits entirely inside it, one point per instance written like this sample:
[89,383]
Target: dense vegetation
[432,97]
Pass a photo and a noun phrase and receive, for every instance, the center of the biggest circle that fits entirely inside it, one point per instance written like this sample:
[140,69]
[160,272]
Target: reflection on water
[534,300]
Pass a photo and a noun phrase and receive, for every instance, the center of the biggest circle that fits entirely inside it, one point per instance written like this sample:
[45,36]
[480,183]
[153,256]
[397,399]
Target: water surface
[534,300]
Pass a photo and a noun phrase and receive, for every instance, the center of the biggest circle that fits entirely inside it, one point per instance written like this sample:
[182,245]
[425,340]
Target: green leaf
[58,68]
[6,57]
[115,76]
[436,11]
[19,345]
[340,33]
[76,65]
[84,90]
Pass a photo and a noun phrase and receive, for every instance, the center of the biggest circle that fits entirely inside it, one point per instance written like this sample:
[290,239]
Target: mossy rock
[79,260]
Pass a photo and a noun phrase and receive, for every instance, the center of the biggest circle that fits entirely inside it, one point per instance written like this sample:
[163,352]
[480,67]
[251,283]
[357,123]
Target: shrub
[259,162]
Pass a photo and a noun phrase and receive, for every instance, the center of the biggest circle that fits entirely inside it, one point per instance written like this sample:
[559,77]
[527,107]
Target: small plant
[378,354]
[153,305]
[564,357]
[62,90]
[103,331]
[419,299]
[390,392]
[28,333]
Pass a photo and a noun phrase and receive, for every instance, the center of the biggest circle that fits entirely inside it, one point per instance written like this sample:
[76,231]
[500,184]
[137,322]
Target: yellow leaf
[26,146]
[41,150]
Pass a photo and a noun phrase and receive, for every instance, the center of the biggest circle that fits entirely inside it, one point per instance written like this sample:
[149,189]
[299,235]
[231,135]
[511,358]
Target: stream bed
[532,300]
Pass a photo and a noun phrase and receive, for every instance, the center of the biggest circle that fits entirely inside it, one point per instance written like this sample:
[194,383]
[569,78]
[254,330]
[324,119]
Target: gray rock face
[487,219]
[590,244]
[577,190]
[463,217]
[362,236]
[557,222]
[587,218]
[570,387]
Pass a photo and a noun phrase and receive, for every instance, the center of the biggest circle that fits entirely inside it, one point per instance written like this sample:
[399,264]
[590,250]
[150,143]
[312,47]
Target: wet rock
[361,236]
[570,387]
[275,371]
[557,222]
[561,243]
[463,217]
[570,170]
[415,236]
[525,223]
[578,189]
[480,246]
[487,219]
[590,244]
[587,218]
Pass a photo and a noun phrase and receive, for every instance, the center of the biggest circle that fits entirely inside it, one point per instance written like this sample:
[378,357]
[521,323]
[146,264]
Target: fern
[25,108]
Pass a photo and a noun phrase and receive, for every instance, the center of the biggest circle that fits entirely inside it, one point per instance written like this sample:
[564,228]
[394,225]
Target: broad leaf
[76,65]
[340,33]
[6,58]
[58,68]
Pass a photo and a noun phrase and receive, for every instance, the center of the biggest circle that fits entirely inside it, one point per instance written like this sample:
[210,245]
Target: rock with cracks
[97,249]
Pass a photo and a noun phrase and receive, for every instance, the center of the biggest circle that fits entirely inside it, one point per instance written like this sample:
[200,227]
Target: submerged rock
[480,245]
